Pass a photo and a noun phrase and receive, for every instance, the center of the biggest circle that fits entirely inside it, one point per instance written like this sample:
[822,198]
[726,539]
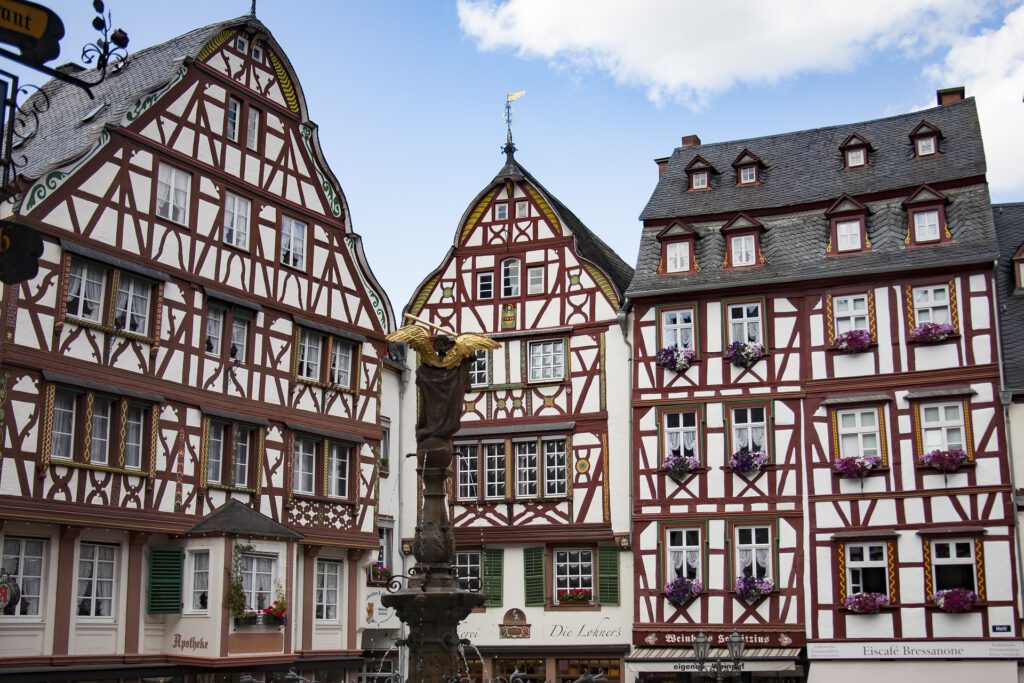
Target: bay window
[117,434]
[539,468]
[258,580]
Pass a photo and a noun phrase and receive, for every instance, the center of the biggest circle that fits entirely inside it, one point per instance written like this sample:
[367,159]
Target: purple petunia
[750,588]
[675,358]
[853,341]
[746,460]
[944,461]
[956,600]
[866,603]
[680,589]
[932,333]
[744,354]
[856,466]
[677,465]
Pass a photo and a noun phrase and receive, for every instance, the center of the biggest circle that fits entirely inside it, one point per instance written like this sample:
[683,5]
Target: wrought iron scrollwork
[110,50]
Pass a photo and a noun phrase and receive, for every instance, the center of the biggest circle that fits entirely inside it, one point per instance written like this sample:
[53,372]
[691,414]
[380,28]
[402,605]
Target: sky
[409,95]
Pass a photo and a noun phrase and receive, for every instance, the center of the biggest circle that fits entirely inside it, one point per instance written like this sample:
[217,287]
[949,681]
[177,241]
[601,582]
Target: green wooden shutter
[533,575]
[608,575]
[491,576]
[165,566]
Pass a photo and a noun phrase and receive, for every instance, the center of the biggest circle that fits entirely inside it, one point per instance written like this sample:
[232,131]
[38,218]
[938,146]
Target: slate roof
[62,133]
[1009,219]
[235,518]
[807,168]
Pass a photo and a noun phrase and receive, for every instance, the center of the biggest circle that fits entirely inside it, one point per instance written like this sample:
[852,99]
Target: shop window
[328,590]
[97,579]
[24,560]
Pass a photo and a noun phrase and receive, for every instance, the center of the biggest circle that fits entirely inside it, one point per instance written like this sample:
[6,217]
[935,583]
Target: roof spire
[252,9]
[510,149]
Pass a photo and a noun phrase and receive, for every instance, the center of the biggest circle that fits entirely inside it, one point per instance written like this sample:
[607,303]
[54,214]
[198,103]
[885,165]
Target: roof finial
[252,9]
[510,149]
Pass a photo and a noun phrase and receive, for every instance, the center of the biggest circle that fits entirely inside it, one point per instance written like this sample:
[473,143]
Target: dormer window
[926,217]
[748,175]
[848,234]
[855,151]
[848,222]
[856,158]
[926,139]
[699,180]
[677,257]
[748,168]
[743,242]
[699,172]
[677,249]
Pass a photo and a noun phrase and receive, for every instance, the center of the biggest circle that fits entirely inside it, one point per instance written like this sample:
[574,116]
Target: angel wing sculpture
[465,346]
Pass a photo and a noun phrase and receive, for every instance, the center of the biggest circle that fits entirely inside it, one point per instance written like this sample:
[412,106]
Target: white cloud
[690,51]
[991,66]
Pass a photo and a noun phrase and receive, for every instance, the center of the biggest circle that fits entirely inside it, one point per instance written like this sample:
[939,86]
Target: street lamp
[718,665]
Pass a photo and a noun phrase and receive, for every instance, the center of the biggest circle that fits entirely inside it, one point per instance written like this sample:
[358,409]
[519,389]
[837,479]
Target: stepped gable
[805,173]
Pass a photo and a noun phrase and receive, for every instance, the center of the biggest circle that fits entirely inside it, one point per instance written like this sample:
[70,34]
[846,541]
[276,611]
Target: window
[467,564]
[236,220]
[23,561]
[85,291]
[228,454]
[484,285]
[384,549]
[252,130]
[107,444]
[547,360]
[466,463]
[494,470]
[97,564]
[931,304]
[555,473]
[848,234]
[953,564]
[743,253]
[745,322]
[699,180]
[677,328]
[257,52]
[257,580]
[748,175]
[866,568]
[217,317]
[500,212]
[200,585]
[522,209]
[677,257]
[313,347]
[131,308]
[234,114]
[341,364]
[331,481]
[293,243]
[856,157]
[926,225]
[478,369]
[328,583]
[748,429]
[385,439]
[535,280]
[305,457]
[942,427]
[172,190]
[681,434]
[684,551]
[526,469]
[753,551]
[242,44]
[925,145]
[573,569]
[338,457]
[851,313]
[510,277]
[858,432]
[310,349]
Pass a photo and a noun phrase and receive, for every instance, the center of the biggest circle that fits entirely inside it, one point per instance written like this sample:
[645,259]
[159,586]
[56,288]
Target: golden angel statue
[442,378]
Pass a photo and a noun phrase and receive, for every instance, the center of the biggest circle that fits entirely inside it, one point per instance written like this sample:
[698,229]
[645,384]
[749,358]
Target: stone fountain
[431,603]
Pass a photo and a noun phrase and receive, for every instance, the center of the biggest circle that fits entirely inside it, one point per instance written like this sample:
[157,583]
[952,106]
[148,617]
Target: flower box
[574,595]
[675,358]
[932,333]
[853,341]
[956,600]
[944,461]
[680,590]
[679,466]
[377,574]
[250,618]
[866,603]
[856,466]
[747,461]
[744,354]
[750,589]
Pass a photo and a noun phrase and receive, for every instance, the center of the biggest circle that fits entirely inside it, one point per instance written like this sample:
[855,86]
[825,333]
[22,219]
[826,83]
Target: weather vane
[509,99]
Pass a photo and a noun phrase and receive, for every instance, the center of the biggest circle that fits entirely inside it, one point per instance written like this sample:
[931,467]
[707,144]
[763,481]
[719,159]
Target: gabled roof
[924,194]
[699,163]
[746,157]
[235,518]
[855,140]
[678,229]
[1009,220]
[925,128]
[741,221]
[845,204]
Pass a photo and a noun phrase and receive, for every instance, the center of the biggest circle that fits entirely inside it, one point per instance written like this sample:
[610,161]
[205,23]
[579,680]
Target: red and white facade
[204,328]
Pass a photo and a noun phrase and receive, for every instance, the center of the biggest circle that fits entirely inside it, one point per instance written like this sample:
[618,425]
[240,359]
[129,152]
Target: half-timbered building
[845,483]
[196,391]
[538,495]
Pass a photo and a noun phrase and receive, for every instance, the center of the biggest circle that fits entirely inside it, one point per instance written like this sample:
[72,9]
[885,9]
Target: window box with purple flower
[945,461]
[932,333]
[681,590]
[746,461]
[744,354]
[675,358]
[956,600]
[866,603]
[750,588]
[679,466]
[853,341]
[856,466]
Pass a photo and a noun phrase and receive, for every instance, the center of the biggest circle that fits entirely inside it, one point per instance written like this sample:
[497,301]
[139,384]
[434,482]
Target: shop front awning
[675,659]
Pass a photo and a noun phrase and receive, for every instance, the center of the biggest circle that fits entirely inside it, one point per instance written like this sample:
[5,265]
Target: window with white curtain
[97,565]
[748,429]
[547,360]
[858,432]
[310,351]
[236,220]
[85,291]
[338,458]
[848,235]
[172,189]
[753,551]
[677,328]
[931,304]
[677,257]
[303,472]
[341,363]
[293,242]
[258,580]
[131,308]
[99,435]
[942,426]
[850,312]
[573,570]
[926,225]
[745,322]
[328,585]
[684,553]
[200,584]
[23,560]
[743,253]
[135,424]
[866,568]
[62,437]
[681,434]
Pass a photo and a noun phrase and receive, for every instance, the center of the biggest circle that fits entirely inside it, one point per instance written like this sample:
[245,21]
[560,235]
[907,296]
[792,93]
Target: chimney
[691,141]
[70,68]
[949,95]
[662,163]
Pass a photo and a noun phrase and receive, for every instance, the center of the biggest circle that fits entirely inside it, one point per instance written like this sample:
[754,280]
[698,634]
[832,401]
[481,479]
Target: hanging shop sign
[33,29]
[10,593]
[644,638]
[20,249]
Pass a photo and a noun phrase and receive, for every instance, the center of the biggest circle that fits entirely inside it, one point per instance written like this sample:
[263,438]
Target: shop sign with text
[920,649]
[643,638]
